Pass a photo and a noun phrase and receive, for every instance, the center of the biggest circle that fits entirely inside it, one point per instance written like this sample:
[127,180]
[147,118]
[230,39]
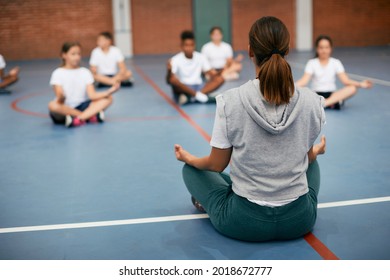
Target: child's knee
[353,89]
[53,106]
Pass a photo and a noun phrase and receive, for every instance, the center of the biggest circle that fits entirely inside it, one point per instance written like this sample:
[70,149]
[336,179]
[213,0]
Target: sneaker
[197,205]
[183,99]
[201,97]
[128,83]
[73,121]
[4,91]
[98,118]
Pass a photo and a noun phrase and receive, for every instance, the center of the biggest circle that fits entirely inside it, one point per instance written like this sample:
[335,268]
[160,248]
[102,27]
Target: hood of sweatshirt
[273,118]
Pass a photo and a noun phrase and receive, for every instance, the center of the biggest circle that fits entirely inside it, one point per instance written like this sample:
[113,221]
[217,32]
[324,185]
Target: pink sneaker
[73,121]
[98,118]
[93,119]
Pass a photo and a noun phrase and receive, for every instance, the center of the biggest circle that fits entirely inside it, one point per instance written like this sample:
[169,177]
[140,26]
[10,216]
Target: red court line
[310,238]
[172,103]
[320,247]
[14,105]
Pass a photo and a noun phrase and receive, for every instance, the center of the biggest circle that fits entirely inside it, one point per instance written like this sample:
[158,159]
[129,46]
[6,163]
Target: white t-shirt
[324,77]
[2,62]
[217,55]
[106,63]
[189,71]
[74,84]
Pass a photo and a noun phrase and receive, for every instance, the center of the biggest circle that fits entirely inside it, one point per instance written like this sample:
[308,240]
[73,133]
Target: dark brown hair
[66,47]
[320,38]
[269,41]
[215,28]
[107,35]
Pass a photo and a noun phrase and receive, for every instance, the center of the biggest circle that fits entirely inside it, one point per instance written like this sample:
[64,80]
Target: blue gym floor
[124,174]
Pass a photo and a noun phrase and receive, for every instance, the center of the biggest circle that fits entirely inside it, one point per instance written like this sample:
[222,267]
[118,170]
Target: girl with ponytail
[266,130]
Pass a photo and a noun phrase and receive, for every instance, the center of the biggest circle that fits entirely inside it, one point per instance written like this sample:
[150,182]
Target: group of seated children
[193,75]
[76,100]
[187,71]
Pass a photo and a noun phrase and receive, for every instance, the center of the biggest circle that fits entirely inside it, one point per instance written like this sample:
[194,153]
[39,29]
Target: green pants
[237,217]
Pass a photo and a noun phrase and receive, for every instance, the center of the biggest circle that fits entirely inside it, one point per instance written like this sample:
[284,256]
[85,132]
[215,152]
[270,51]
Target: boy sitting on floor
[184,73]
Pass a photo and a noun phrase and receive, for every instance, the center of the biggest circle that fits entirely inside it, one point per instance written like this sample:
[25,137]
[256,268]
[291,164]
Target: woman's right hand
[181,154]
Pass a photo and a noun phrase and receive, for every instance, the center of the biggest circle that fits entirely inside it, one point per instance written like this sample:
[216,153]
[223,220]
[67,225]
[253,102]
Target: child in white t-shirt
[76,100]
[184,73]
[107,63]
[323,70]
[7,79]
[220,56]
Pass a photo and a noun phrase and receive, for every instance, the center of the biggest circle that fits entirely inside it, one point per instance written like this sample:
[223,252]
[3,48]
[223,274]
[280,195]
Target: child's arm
[93,95]
[169,71]
[217,161]
[122,68]
[349,82]
[100,78]
[302,82]
[59,92]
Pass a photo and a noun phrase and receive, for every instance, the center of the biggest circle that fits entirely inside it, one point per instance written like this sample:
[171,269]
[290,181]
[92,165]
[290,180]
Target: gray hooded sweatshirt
[270,143]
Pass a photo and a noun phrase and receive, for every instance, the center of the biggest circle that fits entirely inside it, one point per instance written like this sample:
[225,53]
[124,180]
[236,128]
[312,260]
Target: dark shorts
[326,94]
[60,119]
[123,83]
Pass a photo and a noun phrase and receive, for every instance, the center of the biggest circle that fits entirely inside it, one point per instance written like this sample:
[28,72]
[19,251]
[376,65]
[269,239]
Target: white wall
[304,25]
[122,26]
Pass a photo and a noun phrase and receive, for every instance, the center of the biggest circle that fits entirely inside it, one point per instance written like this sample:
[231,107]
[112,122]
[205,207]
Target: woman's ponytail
[276,81]
[269,41]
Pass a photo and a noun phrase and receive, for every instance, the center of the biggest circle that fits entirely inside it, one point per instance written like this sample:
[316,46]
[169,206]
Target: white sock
[201,97]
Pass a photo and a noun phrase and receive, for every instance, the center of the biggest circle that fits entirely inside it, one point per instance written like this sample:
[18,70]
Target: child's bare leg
[105,80]
[123,76]
[62,109]
[214,83]
[232,72]
[179,87]
[95,107]
[340,95]
[11,78]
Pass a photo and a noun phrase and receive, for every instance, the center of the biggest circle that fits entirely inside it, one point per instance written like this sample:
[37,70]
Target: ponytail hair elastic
[264,58]
[276,51]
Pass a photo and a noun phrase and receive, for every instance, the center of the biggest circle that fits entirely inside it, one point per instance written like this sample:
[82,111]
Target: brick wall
[157,25]
[353,22]
[246,12]
[31,29]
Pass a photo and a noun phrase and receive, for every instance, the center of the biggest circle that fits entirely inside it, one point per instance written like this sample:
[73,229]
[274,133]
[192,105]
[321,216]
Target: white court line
[167,218]
[354,76]
[353,202]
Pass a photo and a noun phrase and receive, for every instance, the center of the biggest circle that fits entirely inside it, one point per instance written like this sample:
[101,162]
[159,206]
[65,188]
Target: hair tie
[276,51]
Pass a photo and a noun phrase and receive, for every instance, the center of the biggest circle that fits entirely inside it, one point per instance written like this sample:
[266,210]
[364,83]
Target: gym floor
[114,190]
